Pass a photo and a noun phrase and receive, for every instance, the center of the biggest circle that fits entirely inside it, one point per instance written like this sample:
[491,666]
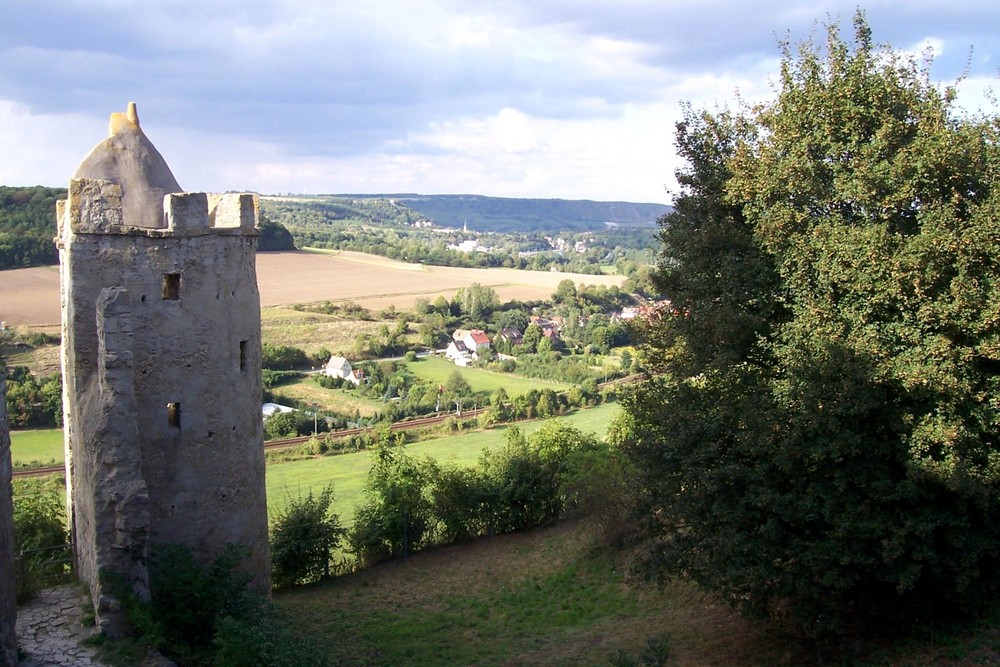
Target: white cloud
[570,98]
[36,148]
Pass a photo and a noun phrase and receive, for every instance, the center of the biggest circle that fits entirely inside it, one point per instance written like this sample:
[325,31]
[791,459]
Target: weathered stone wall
[8,601]
[174,314]
[119,522]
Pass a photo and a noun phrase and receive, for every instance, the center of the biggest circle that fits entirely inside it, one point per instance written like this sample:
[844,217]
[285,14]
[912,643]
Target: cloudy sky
[521,98]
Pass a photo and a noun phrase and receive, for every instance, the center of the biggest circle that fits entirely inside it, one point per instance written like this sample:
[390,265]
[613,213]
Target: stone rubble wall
[8,597]
[121,500]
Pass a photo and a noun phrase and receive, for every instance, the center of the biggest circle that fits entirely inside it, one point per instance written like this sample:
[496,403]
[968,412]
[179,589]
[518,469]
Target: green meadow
[347,472]
[39,447]
[438,370]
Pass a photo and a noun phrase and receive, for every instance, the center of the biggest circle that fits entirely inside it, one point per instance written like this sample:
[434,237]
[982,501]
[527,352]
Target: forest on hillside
[385,225]
[28,225]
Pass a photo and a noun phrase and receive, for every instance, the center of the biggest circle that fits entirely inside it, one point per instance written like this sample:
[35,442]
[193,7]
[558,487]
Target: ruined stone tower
[161,366]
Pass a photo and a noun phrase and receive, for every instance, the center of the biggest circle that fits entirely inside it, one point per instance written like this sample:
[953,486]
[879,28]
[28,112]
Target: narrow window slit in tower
[174,415]
[171,286]
[243,356]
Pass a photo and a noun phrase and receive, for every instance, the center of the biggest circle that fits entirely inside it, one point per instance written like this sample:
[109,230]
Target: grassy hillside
[556,597]
[42,446]
[547,597]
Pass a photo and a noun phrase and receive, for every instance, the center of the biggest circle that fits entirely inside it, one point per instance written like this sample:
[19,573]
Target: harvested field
[42,360]
[314,331]
[376,282]
[30,297]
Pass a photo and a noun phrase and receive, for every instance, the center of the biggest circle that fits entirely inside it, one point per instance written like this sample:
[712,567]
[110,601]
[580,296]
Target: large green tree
[476,301]
[823,438]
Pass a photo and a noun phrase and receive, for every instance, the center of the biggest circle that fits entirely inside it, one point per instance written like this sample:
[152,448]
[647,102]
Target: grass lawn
[42,446]
[347,472]
[438,370]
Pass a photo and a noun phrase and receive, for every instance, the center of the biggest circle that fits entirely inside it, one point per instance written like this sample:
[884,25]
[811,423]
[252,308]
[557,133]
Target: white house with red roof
[468,344]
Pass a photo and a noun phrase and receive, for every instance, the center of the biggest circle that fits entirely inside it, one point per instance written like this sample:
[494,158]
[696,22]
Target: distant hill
[503,214]
[27,217]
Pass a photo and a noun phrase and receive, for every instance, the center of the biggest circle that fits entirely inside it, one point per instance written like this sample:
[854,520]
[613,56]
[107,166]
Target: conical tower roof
[129,159]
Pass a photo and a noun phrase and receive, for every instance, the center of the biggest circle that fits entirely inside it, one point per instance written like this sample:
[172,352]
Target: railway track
[291,442]
[37,472]
[334,435]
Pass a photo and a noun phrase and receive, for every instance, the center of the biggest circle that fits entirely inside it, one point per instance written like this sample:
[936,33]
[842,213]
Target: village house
[629,313]
[511,335]
[475,340]
[468,345]
[647,311]
[457,350]
[340,367]
[550,326]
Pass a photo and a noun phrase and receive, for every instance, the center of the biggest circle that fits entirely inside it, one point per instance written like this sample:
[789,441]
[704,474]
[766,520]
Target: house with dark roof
[511,335]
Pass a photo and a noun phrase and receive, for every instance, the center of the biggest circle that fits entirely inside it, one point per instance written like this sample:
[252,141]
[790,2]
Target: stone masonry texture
[161,368]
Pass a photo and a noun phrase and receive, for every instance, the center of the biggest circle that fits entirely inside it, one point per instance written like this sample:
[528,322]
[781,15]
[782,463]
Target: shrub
[328,382]
[525,485]
[283,357]
[39,513]
[303,536]
[188,598]
[39,527]
[281,425]
[396,517]
[460,498]
[205,614]
[271,379]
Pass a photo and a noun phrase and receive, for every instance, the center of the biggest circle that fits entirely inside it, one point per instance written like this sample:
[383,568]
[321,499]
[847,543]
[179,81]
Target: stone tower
[161,366]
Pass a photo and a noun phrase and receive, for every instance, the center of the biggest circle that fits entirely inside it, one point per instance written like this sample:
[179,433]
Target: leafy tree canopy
[822,440]
[273,236]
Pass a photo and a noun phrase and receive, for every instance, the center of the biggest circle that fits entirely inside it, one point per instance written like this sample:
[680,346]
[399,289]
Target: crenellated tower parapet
[95,206]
